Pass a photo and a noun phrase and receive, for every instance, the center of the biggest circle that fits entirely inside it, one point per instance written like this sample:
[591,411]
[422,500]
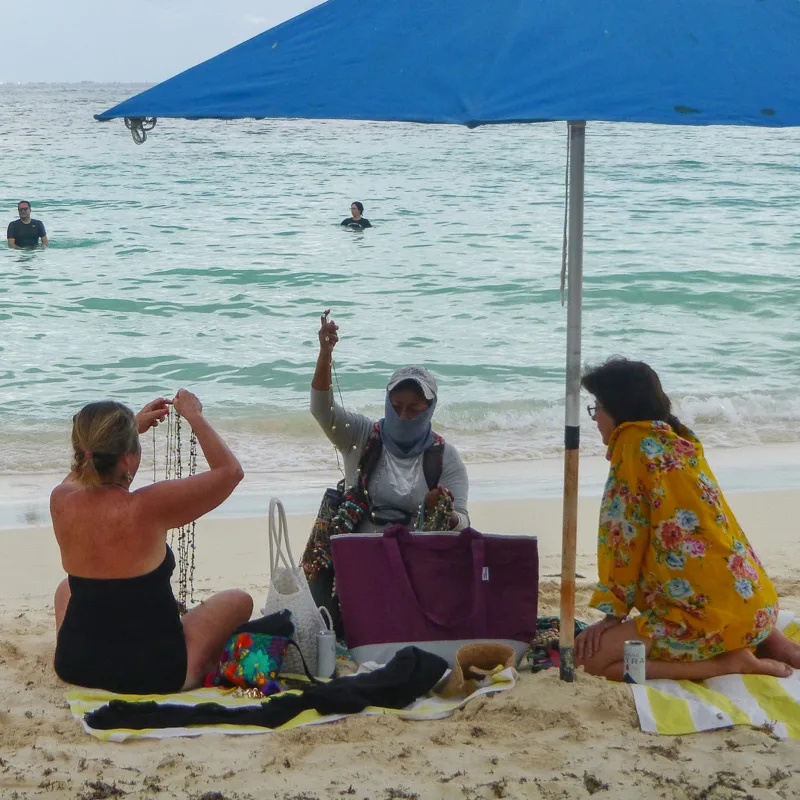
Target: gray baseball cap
[420,376]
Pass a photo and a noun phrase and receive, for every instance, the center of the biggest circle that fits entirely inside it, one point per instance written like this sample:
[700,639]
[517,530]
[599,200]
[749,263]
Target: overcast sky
[126,40]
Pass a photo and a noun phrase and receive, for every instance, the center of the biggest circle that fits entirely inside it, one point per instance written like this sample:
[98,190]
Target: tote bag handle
[467,538]
[280,551]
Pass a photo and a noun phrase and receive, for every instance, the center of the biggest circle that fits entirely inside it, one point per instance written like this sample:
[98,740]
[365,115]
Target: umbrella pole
[577,146]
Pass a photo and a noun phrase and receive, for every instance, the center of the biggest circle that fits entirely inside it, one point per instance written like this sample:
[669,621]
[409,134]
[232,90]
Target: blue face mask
[406,438]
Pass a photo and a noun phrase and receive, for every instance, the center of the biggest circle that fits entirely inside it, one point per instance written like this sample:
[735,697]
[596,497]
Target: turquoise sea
[204,258]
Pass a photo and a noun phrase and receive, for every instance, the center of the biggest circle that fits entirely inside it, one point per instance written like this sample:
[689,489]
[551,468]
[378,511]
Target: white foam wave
[508,430]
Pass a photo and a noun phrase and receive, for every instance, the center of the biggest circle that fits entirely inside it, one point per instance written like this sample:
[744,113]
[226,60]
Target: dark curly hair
[630,391]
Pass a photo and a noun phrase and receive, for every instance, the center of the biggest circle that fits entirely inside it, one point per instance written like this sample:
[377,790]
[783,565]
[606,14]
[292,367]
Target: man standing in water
[357,220]
[25,232]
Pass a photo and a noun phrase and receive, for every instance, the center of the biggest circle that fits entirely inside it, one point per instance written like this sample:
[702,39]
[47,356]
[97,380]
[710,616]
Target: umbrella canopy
[473,62]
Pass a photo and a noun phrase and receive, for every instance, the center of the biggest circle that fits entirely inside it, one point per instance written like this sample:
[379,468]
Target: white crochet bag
[288,588]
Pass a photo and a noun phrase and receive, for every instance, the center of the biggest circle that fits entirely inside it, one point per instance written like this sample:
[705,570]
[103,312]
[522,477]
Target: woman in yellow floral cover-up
[670,547]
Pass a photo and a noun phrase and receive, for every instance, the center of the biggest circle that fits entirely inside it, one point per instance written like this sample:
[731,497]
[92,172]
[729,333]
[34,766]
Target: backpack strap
[355,500]
[432,462]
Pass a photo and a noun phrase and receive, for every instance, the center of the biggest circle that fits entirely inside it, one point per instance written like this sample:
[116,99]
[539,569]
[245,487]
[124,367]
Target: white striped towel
[760,701]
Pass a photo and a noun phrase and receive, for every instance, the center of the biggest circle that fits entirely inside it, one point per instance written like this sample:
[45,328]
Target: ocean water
[204,258]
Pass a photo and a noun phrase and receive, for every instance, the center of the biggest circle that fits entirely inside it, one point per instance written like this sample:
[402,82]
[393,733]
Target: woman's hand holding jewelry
[188,405]
[328,337]
[153,413]
[432,497]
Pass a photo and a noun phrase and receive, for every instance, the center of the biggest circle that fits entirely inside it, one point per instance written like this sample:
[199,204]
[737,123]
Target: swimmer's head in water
[356,209]
[102,434]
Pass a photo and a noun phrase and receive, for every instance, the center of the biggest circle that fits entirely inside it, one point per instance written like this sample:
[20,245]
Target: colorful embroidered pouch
[251,660]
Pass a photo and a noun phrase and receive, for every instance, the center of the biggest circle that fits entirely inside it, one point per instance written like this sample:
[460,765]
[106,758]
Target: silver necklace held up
[181,540]
[333,410]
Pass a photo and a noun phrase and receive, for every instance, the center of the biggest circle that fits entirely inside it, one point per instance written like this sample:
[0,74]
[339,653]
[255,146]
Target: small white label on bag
[485,575]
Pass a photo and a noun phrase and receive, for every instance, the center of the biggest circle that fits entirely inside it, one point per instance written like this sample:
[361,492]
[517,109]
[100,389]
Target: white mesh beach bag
[288,588]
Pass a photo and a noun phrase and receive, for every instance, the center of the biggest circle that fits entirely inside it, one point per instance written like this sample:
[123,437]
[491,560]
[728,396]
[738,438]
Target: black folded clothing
[412,673]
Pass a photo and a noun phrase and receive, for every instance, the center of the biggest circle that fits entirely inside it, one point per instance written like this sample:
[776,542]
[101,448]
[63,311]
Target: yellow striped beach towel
[82,701]
[760,701]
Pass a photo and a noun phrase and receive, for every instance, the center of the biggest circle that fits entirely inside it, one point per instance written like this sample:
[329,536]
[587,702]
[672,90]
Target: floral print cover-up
[670,547]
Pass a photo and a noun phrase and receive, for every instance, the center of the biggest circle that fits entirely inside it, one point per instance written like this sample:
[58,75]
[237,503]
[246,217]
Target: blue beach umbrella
[480,62]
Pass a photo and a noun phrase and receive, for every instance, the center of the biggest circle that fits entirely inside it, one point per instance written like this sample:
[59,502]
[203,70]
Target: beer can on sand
[633,657]
[326,654]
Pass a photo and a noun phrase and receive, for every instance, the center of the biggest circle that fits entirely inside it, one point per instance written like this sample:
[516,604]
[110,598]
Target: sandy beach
[544,739]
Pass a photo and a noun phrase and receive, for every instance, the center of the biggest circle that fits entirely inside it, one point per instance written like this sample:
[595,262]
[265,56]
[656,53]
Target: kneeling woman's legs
[607,661]
[208,627]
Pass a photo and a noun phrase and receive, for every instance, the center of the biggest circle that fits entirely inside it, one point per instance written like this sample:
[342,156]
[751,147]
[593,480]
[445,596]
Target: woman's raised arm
[178,502]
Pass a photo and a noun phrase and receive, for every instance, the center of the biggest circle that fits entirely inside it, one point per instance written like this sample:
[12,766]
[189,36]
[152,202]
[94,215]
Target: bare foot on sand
[743,662]
[780,647]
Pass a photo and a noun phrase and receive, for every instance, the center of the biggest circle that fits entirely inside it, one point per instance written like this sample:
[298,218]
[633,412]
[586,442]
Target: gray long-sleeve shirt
[395,482]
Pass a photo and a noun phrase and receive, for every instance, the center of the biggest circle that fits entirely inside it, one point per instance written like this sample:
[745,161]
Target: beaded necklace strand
[333,412]
[185,535]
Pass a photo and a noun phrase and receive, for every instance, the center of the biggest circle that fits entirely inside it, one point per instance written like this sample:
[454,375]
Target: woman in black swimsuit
[117,620]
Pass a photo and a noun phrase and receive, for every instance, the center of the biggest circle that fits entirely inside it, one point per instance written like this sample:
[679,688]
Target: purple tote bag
[436,590]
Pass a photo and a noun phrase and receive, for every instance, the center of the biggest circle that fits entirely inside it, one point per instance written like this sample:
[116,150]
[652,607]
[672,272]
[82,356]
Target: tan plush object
[473,663]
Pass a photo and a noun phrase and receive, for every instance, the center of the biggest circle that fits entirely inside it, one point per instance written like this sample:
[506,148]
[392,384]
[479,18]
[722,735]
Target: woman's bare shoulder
[69,486]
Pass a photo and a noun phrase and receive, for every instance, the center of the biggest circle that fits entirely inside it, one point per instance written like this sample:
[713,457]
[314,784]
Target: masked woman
[670,547]
[387,459]
[394,468]
[117,622]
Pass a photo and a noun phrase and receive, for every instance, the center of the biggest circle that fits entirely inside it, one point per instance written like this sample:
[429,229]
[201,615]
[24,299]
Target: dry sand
[544,739]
